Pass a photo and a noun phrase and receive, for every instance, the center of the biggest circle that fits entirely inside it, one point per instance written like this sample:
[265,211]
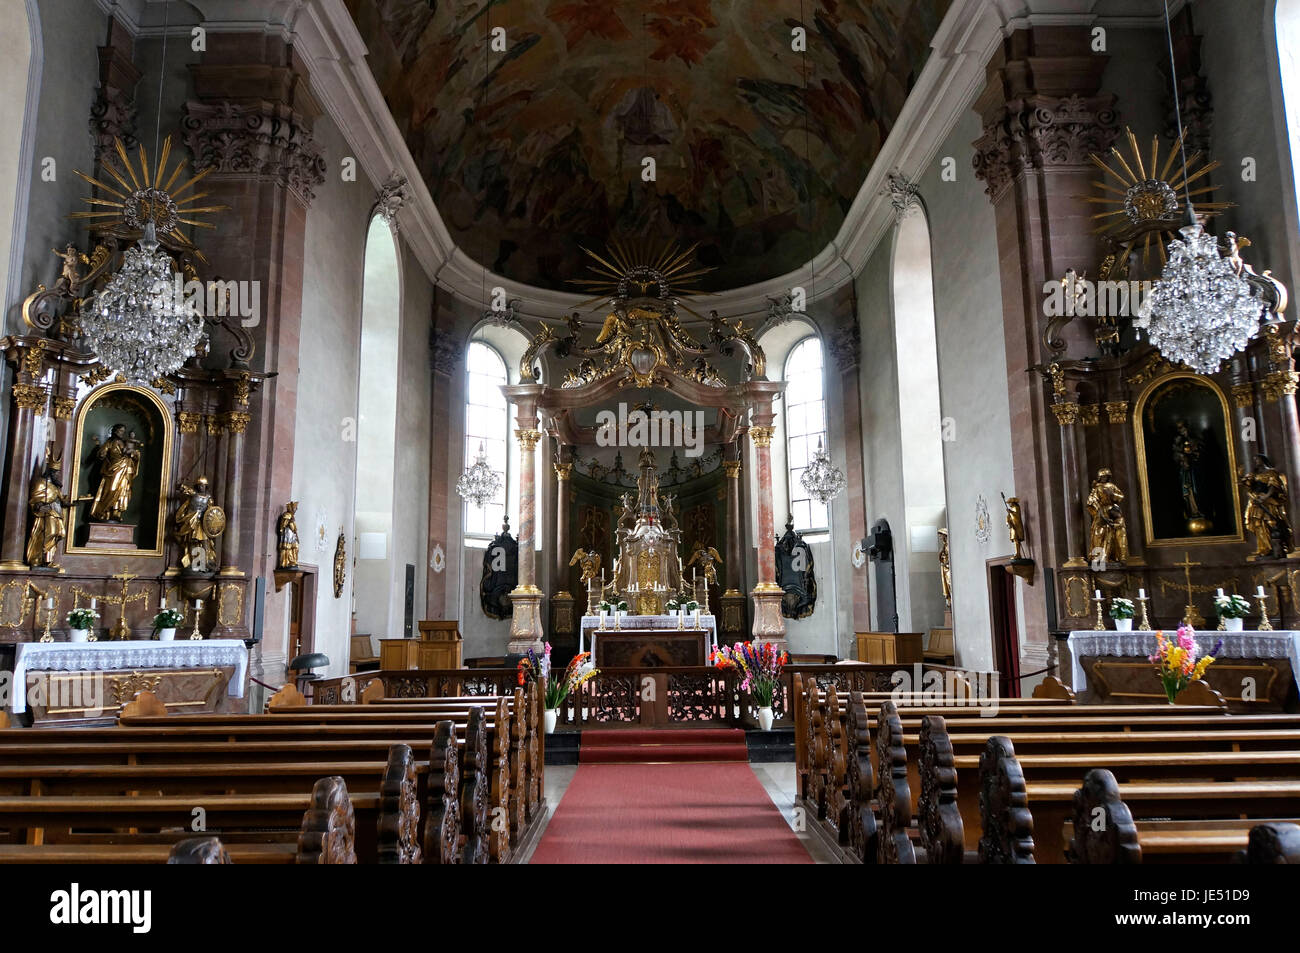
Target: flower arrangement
[1121,608]
[1177,665]
[534,666]
[579,670]
[614,605]
[676,605]
[1231,607]
[168,619]
[82,618]
[759,664]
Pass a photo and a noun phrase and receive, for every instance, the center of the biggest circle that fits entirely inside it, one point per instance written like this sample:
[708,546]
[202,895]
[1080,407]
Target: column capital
[1067,412]
[1117,411]
[528,438]
[29,397]
[731,468]
[237,421]
[762,436]
[563,471]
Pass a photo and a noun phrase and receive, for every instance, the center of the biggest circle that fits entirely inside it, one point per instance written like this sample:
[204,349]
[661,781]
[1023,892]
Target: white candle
[1260,592]
[198,603]
[1220,593]
[163,604]
[1096,594]
[1142,593]
[92,603]
[49,603]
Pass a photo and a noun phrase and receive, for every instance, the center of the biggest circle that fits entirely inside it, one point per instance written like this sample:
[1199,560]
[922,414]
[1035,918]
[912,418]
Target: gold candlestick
[196,635]
[1264,624]
[48,636]
[1146,623]
[1100,626]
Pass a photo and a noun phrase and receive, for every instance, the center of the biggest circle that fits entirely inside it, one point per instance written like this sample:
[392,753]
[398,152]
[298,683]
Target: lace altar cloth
[110,656]
[591,623]
[1276,644]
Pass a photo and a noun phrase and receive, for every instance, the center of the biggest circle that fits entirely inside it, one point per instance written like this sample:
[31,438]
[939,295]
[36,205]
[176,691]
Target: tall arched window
[487,425]
[805,425]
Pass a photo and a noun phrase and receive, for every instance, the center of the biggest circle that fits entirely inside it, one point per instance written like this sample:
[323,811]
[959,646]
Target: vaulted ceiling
[534,152]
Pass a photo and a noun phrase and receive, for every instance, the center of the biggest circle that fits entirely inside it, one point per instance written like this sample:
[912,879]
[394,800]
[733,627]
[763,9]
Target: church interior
[567,432]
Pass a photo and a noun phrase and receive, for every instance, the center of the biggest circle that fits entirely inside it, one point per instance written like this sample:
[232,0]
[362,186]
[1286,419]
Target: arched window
[805,425]
[487,425]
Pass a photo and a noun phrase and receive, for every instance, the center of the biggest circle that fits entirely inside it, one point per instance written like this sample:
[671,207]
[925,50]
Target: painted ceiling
[536,151]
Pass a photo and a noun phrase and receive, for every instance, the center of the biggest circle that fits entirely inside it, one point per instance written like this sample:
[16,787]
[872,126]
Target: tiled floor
[778,780]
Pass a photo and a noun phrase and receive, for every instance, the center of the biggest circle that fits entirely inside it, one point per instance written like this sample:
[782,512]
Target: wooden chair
[939,647]
[361,655]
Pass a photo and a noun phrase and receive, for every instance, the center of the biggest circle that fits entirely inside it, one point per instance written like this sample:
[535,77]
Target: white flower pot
[167,635]
[765,718]
[1232,625]
[1123,625]
[78,635]
[549,717]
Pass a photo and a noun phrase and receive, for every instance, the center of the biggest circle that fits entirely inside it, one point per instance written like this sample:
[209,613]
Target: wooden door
[1006,630]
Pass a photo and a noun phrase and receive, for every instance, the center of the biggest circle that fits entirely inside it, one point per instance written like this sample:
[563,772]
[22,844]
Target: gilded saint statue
[198,521]
[1266,506]
[286,529]
[1015,524]
[46,501]
[119,461]
[1108,534]
[945,567]
[1187,455]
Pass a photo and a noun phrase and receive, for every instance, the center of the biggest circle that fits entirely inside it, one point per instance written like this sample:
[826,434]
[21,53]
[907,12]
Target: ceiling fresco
[539,150]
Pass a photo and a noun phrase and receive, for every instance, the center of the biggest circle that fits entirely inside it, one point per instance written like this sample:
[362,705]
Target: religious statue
[46,501]
[945,567]
[1187,454]
[286,529]
[119,461]
[1108,535]
[340,564]
[669,515]
[590,562]
[1015,524]
[709,560]
[198,521]
[1266,506]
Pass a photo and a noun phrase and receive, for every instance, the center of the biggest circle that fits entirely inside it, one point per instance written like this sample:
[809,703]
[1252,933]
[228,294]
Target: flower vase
[1232,625]
[765,717]
[167,635]
[78,635]
[550,716]
[1123,625]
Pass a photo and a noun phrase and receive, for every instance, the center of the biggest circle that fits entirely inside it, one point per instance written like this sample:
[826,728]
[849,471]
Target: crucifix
[1190,614]
[121,631]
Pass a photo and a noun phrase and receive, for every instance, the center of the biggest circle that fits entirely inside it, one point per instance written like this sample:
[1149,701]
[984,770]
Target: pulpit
[438,646]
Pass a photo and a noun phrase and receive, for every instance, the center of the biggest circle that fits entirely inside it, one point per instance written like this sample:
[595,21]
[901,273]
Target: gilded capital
[1280,384]
[762,436]
[1117,411]
[1243,395]
[1089,414]
[237,421]
[1067,412]
[563,470]
[528,438]
[731,468]
[187,421]
[29,397]
[64,406]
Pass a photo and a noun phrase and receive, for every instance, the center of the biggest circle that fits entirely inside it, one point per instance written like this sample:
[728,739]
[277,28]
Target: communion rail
[640,697]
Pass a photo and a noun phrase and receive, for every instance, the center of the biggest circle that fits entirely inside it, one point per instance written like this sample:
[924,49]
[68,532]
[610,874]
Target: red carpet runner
[624,808]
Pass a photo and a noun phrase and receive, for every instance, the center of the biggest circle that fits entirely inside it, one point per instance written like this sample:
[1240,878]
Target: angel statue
[198,521]
[708,559]
[590,562]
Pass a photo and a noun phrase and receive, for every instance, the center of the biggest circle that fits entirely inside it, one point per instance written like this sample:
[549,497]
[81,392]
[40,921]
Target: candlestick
[1146,623]
[1264,624]
[1259,591]
[197,636]
[1100,626]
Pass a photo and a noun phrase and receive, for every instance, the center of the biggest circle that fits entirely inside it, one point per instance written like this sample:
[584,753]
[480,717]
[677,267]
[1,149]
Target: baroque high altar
[641,348]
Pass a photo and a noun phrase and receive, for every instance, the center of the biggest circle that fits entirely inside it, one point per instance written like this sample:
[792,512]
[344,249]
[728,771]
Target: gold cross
[121,631]
[1190,614]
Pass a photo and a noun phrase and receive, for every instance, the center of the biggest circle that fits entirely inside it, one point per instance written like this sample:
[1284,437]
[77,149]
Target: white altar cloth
[591,623]
[1276,644]
[112,656]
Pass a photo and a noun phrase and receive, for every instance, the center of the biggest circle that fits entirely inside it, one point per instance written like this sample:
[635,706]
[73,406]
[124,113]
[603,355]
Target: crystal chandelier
[822,479]
[480,483]
[1201,311]
[139,324]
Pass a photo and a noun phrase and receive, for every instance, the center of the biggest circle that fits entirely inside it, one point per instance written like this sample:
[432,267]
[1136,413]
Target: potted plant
[166,622]
[690,605]
[1231,609]
[760,667]
[80,622]
[1176,663]
[1121,611]
[579,670]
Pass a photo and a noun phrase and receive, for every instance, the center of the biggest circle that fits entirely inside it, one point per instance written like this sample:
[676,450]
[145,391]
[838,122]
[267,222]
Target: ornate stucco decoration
[904,195]
[393,195]
[248,140]
[844,346]
[444,352]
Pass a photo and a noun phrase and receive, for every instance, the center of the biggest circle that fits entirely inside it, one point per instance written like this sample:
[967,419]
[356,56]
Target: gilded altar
[648,569]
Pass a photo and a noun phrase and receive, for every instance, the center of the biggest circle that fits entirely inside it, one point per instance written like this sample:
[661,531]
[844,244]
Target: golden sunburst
[635,268]
[144,194]
[1148,207]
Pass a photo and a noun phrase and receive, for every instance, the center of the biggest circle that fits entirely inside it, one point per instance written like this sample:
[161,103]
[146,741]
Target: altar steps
[670,745]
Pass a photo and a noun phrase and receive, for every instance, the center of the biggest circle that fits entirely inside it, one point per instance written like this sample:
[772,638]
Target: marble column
[236,424]
[769,624]
[1067,416]
[526,598]
[562,601]
[29,402]
[732,622]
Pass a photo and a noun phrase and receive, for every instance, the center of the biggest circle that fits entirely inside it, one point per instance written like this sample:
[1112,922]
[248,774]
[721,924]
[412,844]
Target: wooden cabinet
[439,646]
[889,648]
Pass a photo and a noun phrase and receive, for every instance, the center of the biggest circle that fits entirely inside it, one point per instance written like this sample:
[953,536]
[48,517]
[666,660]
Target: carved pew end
[144,703]
[1103,830]
[1053,687]
[1274,843]
[199,850]
[287,697]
